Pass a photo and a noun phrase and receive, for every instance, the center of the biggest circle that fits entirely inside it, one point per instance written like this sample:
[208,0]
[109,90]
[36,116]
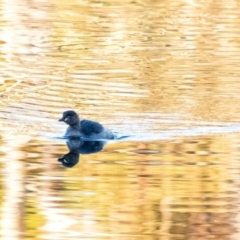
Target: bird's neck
[76,126]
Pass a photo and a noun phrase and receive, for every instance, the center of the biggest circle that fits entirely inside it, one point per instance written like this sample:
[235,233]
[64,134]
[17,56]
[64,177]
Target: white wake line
[163,135]
[193,131]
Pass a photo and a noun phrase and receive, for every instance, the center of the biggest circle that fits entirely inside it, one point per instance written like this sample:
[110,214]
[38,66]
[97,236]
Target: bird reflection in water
[76,147]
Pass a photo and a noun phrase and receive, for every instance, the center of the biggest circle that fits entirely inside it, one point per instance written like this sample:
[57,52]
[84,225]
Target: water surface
[164,73]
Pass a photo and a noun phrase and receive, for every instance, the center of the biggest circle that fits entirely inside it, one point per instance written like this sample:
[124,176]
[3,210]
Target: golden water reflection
[178,189]
[165,72]
[110,60]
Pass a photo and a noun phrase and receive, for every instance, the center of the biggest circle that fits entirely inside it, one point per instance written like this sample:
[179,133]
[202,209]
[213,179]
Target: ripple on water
[164,73]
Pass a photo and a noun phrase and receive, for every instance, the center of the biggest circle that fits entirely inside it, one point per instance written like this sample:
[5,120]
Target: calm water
[166,74]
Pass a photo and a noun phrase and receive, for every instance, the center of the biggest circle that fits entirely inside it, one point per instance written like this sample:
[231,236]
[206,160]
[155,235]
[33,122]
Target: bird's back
[89,127]
[92,129]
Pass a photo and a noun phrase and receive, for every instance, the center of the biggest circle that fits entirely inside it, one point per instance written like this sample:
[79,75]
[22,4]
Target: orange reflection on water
[144,68]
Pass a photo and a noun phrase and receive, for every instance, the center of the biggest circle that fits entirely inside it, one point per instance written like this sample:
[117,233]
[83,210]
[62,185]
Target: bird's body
[84,128]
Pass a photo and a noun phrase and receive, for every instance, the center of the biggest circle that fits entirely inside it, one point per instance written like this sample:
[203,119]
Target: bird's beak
[63,119]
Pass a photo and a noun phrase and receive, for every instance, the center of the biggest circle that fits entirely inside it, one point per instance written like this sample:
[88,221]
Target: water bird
[84,128]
